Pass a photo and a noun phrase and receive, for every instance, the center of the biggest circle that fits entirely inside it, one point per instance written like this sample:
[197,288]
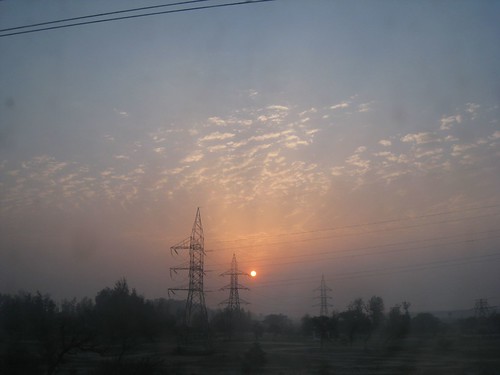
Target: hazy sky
[355,139]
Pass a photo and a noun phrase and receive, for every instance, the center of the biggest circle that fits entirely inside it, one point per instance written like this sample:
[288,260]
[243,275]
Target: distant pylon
[323,297]
[481,308]
[233,302]
[196,311]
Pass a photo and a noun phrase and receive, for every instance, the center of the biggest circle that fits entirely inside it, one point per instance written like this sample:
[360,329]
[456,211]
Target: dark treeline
[38,336]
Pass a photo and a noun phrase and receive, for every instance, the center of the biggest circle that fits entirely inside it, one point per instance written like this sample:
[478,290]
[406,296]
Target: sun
[253,273]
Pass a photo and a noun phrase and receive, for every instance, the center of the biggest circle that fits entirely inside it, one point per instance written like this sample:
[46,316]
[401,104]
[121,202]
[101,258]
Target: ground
[452,354]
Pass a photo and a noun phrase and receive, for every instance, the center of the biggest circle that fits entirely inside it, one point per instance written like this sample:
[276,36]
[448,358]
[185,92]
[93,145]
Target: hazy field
[453,354]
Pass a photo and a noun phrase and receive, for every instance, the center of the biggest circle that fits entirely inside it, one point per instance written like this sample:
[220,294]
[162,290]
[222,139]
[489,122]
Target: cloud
[217,148]
[385,142]
[365,107]
[217,121]
[495,135]
[193,157]
[421,153]
[217,136]
[447,122]
[121,113]
[275,114]
[420,138]
[458,150]
[337,171]
[293,141]
[308,111]
[265,137]
[391,157]
[451,138]
[472,109]
[361,165]
[252,93]
[278,108]
[341,105]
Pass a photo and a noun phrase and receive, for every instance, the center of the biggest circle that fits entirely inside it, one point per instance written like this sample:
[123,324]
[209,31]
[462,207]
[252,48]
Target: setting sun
[253,273]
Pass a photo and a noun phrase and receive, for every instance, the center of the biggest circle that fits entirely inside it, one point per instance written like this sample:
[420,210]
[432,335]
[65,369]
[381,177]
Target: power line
[130,17]
[351,226]
[101,15]
[370,223]
[390,270]
[392,244]
[381,252]
[367,254]
[352,234]
[478,257]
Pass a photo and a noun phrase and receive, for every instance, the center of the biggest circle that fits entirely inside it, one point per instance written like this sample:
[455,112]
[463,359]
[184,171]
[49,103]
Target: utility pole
[323,297]
[234,301]
[196,312]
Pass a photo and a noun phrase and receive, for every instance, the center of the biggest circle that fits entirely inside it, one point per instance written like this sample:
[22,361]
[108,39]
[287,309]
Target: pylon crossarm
[322,288]
[230,273]
[183,245]
[175,269]
[173,290]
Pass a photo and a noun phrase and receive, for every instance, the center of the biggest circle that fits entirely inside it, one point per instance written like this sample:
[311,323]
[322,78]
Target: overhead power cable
[314,258]
[89,22]
[101,15]
[370,223]
[491,257]
[353,253]
[264,244]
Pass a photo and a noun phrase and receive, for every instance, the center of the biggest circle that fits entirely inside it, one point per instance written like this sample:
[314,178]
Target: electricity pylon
[323,297]
[196,311]
[481,308]
[234,301]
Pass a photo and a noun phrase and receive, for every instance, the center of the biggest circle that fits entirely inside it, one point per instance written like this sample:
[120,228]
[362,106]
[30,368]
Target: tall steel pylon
[233,302]
[481,308]
[323,297]
[196,311]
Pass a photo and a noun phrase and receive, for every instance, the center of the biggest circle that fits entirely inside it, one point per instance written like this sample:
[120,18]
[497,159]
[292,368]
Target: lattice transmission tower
[481,308]
[233,303]
[323,297]
[196,310]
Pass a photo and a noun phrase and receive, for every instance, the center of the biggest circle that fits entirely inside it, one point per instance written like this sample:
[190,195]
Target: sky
[359,140]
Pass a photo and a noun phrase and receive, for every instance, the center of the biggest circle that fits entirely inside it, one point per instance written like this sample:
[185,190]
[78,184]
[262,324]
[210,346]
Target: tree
[376,311]
[277,324]
[307,325]
[123,316]
[426,324]
[258,330]
[354,320]
[399,322]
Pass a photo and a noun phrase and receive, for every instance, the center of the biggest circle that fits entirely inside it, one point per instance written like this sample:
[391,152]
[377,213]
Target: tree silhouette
[354,320]
[123,316]
[398,321]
